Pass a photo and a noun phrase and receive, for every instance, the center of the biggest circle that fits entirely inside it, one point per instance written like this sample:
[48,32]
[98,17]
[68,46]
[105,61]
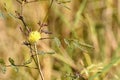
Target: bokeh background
[86,44]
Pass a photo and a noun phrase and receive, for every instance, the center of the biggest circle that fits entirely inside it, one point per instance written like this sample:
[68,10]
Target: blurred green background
[87,39]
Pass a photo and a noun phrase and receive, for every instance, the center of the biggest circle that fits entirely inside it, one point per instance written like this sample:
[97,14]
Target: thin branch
[20,66]
[20,17]
[38,63]
[46,38]
[23,33]
[32,55]
[46,32]
[46,16]
[36,60]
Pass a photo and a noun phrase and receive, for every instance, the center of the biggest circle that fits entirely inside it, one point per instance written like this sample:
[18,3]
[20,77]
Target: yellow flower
[34,36]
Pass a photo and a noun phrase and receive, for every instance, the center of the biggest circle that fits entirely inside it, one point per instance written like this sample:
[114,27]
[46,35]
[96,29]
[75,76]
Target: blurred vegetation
[86,39]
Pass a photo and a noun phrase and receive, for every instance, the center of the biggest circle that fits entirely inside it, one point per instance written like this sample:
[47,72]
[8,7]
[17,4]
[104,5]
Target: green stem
[38,63]
[36,60]
[21,66]
[32,55]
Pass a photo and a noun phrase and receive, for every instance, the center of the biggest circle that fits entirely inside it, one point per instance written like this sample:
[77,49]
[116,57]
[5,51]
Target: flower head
[33,37]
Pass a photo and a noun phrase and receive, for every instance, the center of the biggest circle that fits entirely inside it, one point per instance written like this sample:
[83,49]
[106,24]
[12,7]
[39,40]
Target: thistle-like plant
[32,37]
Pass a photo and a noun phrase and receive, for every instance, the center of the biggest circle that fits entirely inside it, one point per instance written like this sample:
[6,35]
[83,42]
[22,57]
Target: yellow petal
[34,36]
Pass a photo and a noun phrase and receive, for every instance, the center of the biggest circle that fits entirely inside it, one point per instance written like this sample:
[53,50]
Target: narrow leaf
[28,61]
[15,68]
[3,69]
[11,61]
[1,15]
[87,58]
[41,52]
[57,41]
[2,62]
[67,42]
[2,66]
[86,45]
[78,46]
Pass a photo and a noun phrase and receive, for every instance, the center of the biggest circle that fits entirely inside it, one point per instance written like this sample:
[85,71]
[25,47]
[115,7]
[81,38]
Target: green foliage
[77,44]
[3,69]
[57,41]
[28,61]
[67,42]
[106,68]
[15,68]
[11,61]
[2,62]
[13,65]
[2,66]
[1,15]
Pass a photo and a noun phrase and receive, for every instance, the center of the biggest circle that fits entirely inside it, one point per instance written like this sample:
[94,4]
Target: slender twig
[46,32]
[20,16]
[20,66]
[25,34]
[46,38]
[36,60]
[46,16]
[32,55]
[22,19]
[38,63]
